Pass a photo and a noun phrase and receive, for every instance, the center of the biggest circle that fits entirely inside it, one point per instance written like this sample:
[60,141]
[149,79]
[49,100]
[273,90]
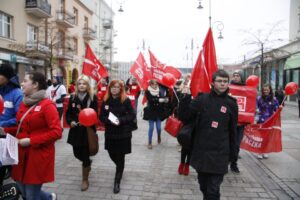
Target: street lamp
[220,25]
[121,8]
[199,5]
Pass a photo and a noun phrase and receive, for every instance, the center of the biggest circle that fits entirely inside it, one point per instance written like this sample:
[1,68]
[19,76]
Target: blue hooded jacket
[12,96]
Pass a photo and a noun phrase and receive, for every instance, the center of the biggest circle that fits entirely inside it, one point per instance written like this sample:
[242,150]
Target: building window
[62,5]
[61,39]
[298,22]
[75,11]
[75,43]
[32,33]
[5,25]
[86,22]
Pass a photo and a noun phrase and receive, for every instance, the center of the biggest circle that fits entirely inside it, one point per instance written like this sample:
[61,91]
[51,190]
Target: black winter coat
[183,108]
[124,112]
[78,135]
[156,110]
[214,139]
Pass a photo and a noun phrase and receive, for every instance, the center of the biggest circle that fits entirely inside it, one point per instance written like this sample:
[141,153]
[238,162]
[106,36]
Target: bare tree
[265,41]
[50,33]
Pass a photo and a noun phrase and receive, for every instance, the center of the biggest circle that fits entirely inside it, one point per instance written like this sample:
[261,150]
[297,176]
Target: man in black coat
[214,136]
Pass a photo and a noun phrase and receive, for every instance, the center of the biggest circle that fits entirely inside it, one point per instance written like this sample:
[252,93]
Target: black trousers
[238,138]
[82,154]
[185,156]
[60,111]
[210,185]
[119,160]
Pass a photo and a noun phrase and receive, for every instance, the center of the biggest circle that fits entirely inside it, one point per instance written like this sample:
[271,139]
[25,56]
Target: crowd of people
[34,108]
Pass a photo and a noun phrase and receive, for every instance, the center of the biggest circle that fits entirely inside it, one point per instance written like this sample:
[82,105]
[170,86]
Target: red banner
[264,138]
[141,71]
[246,100]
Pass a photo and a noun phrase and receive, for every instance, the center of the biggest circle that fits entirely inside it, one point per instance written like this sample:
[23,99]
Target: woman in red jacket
[39,128]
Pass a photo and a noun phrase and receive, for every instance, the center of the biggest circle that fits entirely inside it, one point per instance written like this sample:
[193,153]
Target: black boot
[117,182]
[116,186]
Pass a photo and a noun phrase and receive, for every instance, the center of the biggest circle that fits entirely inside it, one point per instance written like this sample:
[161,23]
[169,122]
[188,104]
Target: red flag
[159,69]
[154,62]
[156,68]
[264,138]
[92,67]
[141,71]
[174,71]
[205,66]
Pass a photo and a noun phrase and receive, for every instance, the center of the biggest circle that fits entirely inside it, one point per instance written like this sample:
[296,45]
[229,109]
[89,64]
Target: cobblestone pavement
[152,174]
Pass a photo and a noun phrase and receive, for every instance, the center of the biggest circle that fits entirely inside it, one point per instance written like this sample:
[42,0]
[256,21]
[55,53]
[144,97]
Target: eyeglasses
[221,81]
[116,87]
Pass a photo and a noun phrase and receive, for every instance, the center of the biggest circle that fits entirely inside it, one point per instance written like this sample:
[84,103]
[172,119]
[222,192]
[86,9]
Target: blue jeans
[151,127]
[33,192]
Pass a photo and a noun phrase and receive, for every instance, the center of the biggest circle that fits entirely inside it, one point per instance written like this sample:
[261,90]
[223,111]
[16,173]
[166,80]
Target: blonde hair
[87,80]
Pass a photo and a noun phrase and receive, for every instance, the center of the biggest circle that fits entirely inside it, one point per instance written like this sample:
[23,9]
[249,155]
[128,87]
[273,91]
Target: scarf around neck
[34,98]
[153,92]
[81,96]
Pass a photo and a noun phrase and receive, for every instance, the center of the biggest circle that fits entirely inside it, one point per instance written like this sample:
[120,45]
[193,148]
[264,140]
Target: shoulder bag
[93,139]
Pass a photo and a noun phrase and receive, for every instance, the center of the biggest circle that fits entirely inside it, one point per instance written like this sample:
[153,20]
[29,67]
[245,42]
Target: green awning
[293,62]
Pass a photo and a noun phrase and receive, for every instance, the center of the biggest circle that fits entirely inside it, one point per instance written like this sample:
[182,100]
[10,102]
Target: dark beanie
[7,71]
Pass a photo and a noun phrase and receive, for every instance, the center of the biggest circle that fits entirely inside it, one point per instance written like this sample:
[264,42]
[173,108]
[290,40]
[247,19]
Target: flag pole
[285,97]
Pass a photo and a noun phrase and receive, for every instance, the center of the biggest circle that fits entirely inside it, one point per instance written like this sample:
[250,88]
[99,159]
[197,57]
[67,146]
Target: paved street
[152,174]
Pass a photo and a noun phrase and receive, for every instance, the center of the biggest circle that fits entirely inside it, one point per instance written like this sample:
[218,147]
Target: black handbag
[146,113]
[185,135]
[9,192]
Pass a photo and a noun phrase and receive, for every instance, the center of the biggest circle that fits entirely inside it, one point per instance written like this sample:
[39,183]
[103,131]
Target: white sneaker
[259,156]
[265,156]
[54,196]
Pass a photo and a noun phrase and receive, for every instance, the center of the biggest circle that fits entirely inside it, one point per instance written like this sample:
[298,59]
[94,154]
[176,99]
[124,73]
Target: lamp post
[220,25]
[191,47]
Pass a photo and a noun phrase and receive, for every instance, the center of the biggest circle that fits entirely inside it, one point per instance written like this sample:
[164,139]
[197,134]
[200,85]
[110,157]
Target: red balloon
[291,88]
[252,81]
[87,117]
[1,105]
[168,80]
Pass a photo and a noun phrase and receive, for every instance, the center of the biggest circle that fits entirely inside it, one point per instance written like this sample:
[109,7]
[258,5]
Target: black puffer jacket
[78,135]
[214,138]
[124,112]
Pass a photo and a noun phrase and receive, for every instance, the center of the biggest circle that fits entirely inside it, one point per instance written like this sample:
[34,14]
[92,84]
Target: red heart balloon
[168,80]
[87,117]
[291,88]
[252,81]
[1,105]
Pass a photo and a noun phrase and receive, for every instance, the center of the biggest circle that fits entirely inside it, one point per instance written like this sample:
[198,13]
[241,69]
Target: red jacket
[42,126]
[134,90]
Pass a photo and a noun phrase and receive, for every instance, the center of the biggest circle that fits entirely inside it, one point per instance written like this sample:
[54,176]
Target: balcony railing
[107,24]
[38,8]
[65,19]
[37,49]
[64,53]
[89,34]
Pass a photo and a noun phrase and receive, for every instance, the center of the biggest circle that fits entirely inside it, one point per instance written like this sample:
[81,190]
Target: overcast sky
[168,26]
